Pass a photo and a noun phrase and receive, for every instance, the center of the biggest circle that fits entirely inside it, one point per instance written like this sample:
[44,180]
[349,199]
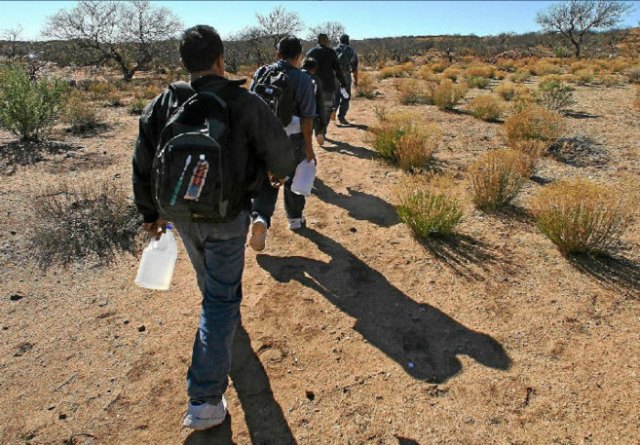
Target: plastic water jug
[344,93]
[158,262]
[305,174]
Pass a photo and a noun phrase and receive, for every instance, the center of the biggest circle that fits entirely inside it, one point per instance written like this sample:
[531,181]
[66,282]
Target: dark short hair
[289,47]
[322,37]
[309,63]
[344,38]
[200,47]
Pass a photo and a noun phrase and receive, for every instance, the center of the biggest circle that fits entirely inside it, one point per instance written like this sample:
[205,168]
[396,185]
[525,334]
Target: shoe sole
[258,240]
[205,426]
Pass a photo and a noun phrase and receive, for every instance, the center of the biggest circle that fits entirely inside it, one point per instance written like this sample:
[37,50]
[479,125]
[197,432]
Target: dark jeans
[217,255]
[265,203]
[341,104]
[328,109]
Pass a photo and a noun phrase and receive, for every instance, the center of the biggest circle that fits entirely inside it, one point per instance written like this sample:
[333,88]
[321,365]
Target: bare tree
[12,35]
[575,18]
[333,29]
[278,24]
[125,33]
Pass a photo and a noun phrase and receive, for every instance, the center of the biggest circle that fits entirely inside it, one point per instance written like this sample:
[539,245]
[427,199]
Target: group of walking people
[211,156]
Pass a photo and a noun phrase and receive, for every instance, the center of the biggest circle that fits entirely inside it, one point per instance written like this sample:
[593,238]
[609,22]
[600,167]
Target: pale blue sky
[363,19]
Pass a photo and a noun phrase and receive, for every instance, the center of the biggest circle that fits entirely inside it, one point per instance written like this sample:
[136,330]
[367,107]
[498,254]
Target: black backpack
[273,85]
[193,179]
[345,55]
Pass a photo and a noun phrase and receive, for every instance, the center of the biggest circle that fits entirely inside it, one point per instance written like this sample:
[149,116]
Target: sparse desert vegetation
[471,234]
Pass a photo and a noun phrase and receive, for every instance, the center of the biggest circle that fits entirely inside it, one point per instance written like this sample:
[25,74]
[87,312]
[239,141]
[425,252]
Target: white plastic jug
[305,174]
[344,93]
[158,262]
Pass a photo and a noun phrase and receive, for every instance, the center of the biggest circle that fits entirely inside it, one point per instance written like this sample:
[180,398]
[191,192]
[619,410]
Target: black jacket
[328,67]
[257,140]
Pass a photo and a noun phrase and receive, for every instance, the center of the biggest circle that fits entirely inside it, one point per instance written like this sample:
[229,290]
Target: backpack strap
[182,90]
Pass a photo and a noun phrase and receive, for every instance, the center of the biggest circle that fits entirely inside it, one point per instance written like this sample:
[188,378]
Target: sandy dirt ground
[353,332]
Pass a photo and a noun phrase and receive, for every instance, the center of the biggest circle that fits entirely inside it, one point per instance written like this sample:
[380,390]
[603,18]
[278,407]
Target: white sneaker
[205,416]
[320,139]
[296,223]
[258,239]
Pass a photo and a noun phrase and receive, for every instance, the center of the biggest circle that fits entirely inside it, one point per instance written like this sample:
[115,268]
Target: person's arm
[354,68]
[307,132]
[266,134]
[306,98]
[142,166]
[335,64]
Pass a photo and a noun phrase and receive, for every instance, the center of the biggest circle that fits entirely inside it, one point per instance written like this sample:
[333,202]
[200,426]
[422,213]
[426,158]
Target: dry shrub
[521,76]
[402,138]
[634,75]
[425,73]
[136,107]
[487,107]
[415,92]
[80,114]
[483,71]
[497,177]
[451,73]
[578,66]
[403,70]
[98,90]
[478,82]
[506,64]
[500,75]
[73,224]
[439,67]
[532,148]
[506,90]
[536,123]
[429,213]
[543,68]
[580,216]
[617,66]
[612,80]
[447,95]
[147,92]
[636,102]
[365,88]
[583,77]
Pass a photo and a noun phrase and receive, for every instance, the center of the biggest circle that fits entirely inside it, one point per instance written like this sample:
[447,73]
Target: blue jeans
[217,255]
[264,204]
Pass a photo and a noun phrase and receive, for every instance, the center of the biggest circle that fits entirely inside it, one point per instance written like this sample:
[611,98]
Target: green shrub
[80,115]
[580,216]
[429,214]
[555,95]
[28,108]
[478,82]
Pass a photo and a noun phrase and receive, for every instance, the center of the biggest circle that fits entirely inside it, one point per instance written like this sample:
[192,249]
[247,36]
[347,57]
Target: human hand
[311,156]
[156,228]
[276,182]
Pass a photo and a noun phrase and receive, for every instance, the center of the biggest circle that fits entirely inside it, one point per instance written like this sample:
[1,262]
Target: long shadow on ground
[262,413]
[25,153]
[613,272]
[422,339]
[351,150]
[360,205]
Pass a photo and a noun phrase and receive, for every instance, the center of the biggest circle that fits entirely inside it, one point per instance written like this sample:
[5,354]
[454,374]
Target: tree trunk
[578,48]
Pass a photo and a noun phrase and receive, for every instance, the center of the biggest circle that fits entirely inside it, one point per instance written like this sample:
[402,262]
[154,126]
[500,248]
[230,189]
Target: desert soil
[353,332]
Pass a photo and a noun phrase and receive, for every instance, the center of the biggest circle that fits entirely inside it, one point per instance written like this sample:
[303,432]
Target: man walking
[254,143]
[328,70]
[295,105]
[348,60]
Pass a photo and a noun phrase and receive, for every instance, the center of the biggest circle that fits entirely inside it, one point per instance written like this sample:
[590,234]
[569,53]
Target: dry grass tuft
[580,216]
[447,95]
[487,107]
[429,213]
[543,68]
[403,70]
[498,176]
[535,123]
[72,224]
[415,92]
[484,71]
[366,86]
[403,138]
[80,114]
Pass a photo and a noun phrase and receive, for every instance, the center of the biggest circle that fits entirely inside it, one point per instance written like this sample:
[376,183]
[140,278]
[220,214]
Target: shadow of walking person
[361,206]
[422,339]
[262,413]
[351,150]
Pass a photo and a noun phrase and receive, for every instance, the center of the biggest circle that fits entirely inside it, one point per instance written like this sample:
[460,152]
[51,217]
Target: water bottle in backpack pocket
[192,177]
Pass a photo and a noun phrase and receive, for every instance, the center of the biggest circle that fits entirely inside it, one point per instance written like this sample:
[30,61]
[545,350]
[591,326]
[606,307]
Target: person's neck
[200,74]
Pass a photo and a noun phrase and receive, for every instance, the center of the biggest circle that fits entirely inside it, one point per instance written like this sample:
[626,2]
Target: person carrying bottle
[290,94]
[328,70]
[204,181]
[348,60]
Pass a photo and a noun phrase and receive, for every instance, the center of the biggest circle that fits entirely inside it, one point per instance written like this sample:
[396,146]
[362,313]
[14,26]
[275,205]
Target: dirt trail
[353,332]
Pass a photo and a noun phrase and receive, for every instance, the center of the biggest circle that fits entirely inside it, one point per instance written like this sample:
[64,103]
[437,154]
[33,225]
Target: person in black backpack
[202,152]
[290,93]
[328,70]
[348,60]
